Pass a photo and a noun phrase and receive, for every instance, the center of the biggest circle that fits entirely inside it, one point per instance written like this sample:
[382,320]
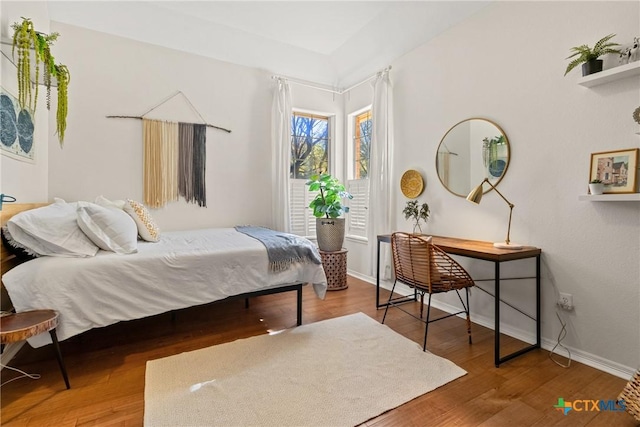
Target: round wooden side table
[335,268]
[21,326]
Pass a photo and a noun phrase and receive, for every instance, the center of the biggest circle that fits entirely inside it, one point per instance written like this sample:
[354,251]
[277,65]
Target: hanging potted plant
[63,77]
[327,207]
[26,39]
[588,57]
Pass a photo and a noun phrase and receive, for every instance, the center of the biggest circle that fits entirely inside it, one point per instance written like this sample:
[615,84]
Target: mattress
[183,269]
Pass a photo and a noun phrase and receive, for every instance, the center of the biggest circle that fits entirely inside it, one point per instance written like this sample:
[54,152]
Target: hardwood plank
[106,368]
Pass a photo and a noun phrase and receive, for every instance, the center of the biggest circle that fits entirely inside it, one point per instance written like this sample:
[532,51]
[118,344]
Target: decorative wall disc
[16,132]
[411,184]
[636,115]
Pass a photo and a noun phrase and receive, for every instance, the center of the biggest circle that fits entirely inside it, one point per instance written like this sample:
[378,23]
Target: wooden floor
[107,366]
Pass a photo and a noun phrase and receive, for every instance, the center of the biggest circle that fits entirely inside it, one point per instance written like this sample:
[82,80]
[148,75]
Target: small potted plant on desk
[596,186]
[327,207]
[412,210]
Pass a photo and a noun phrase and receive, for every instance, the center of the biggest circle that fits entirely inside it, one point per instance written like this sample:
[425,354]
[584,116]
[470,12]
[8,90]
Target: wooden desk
[484,251]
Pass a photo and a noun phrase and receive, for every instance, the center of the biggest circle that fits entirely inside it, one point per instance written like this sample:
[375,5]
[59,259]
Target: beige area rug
[338,372]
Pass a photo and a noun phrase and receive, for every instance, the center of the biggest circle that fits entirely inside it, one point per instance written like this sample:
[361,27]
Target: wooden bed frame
[8,261]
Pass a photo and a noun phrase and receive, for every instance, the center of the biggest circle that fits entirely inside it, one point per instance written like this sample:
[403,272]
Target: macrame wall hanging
[174,158]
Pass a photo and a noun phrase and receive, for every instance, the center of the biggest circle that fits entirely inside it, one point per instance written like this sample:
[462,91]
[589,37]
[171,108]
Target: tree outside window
[309,145]
[362,144]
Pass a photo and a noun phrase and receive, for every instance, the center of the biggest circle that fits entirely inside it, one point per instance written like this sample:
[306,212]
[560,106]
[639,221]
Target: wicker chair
[631,396]
[428,270]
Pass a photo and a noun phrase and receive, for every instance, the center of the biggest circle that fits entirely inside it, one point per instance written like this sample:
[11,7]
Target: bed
[182,269]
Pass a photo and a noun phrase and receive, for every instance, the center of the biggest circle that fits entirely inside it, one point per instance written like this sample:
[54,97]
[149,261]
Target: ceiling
[335,43]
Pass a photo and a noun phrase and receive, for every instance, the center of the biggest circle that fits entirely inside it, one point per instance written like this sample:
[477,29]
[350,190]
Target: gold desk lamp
[476,195]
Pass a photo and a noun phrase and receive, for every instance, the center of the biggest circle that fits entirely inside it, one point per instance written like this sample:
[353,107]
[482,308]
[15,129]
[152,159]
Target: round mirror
[469,152]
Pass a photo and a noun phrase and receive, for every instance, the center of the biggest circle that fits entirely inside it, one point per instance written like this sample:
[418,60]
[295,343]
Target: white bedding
[183,269]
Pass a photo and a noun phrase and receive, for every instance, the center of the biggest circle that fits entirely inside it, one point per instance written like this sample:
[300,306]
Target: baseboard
[578,355]
[10,350]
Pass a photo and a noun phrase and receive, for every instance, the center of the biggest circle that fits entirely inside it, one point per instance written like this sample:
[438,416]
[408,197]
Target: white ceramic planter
[595,189]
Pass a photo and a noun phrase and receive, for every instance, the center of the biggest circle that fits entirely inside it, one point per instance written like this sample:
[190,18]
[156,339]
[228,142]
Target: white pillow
[52,230]
[110,229]
[103,201]
[147,228]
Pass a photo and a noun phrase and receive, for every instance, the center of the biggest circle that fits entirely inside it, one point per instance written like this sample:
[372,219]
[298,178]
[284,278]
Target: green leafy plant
[584,53]
[26,38]
[43,43]
[490,149]
[328,202]
[63,76]
[595,181]
[416,212]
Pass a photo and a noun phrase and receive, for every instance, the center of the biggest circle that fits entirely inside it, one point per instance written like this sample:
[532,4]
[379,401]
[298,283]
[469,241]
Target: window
[310,147]
[361,144]
[360,125]
[358,207]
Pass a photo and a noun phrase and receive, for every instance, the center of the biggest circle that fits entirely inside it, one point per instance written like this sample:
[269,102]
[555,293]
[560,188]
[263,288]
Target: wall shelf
[612,74]
[631,197]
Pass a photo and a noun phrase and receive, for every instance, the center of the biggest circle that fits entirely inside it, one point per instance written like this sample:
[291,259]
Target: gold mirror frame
[457,150]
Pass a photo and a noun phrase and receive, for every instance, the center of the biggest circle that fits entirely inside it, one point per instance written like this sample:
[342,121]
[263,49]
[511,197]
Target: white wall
[506,64]
[27,182]
[115,76]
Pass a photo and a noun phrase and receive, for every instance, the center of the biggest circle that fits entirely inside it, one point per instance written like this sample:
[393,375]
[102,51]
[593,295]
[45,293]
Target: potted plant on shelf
[26,39]
[327,207]
[588,57]
[596,186]
[412,210]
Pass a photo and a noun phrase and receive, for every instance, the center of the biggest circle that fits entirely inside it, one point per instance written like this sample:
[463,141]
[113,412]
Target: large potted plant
[588,57]
[327,207]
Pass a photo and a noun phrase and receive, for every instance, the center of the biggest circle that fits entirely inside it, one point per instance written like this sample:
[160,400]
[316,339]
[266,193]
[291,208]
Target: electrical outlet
[387,272]
[565,301]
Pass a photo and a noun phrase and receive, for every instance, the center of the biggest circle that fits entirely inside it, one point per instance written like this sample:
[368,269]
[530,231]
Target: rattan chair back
[420,264]
[631,396]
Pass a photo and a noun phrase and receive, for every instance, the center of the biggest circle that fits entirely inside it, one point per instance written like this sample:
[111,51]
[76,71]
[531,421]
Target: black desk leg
[56,346]
[299,310]
[498,358]
[378,277]
[538,335]
[496,350]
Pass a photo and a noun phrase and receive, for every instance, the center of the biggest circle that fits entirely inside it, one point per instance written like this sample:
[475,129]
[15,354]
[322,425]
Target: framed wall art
[618,170]
[16,129]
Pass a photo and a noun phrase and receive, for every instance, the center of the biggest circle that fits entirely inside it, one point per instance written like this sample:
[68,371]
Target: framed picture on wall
[618,170]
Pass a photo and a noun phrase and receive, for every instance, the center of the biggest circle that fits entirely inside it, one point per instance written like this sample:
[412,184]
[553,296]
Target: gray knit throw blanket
[283,249]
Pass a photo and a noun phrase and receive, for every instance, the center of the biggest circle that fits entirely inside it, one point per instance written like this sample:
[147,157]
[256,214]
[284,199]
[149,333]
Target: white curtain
[380,168]
[281,155]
